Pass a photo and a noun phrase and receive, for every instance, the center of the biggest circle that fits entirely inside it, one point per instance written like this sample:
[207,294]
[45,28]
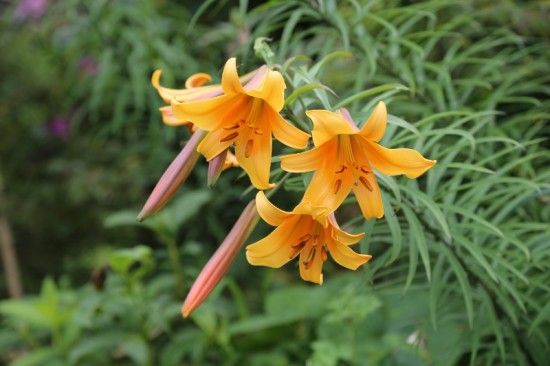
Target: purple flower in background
[30,9]
[87,66]
[59,127]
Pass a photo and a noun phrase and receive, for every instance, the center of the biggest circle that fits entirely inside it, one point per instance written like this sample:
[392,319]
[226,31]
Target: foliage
[460,269]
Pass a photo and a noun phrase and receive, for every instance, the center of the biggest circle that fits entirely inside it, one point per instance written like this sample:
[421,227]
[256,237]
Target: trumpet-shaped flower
[244,116]
[306,232]
[344,157]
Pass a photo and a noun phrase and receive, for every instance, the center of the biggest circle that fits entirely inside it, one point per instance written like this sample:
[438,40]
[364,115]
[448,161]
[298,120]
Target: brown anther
[248,148]
[366,183]
[304,238]
[309,260]
[229,137]
[365,170]
[258,131]
[337,185]
[296,248]
[324,253]
[342,168]
[250,125]
[231,127]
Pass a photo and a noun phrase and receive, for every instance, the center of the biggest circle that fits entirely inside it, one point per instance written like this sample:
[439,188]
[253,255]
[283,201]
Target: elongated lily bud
[215,167]
[220,262]
[173,177]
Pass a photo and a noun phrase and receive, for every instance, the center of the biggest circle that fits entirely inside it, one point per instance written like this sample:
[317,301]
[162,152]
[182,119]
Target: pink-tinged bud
[173,177]
[219,263]
[215,167]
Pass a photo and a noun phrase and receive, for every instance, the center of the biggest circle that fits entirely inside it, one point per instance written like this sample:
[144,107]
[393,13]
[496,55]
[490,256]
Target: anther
[337,185]
[304,238]
[231,127]
[296,248]
[342,168]
[324,253]
[365,170]
[229,137]
[258,131]
[248,148]
[309,260]
[366,183]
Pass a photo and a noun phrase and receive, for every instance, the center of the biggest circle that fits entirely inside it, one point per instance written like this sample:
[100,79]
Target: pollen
[337,185]
[231,127]
[365,169]
[365,183]
[258,131]
[229,137]
[248,148]
[309,260]
[342,168]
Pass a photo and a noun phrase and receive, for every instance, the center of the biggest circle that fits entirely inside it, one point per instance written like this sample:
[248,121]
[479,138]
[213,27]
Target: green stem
[174,256]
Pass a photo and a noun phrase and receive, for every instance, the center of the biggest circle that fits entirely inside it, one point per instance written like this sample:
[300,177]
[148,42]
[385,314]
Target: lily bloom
[244,116]
[180,168]
[344,157]
[306,232]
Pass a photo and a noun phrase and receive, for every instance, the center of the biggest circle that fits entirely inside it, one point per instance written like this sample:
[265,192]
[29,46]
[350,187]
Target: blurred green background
[460,271]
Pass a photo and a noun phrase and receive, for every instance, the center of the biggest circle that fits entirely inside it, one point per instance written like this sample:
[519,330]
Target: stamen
[342,168]
[231,127]
[365,170]
[366,183]
[337,185]
[229,137]
[309,260]
[248,148]
[324,253]
[296,248]
[250,125]
[258,131]
[304,238]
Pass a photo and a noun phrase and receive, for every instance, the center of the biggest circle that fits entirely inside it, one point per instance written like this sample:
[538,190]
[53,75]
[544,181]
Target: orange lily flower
[308,232]
[344,157]
[245,116]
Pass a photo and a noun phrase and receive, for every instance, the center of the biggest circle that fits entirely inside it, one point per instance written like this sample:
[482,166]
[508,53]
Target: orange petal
[397,161]
[169,118]
[271,89]
[345,256]
[276,249]
[253,152]
[375,126]
[271,214]
[285,132]
[168,94]
[306,161]
[311,265]
[212,144]
[230,78]
[340,235]
[206,114]
[327,125]
[197,80]
[369,201]
[327,189]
